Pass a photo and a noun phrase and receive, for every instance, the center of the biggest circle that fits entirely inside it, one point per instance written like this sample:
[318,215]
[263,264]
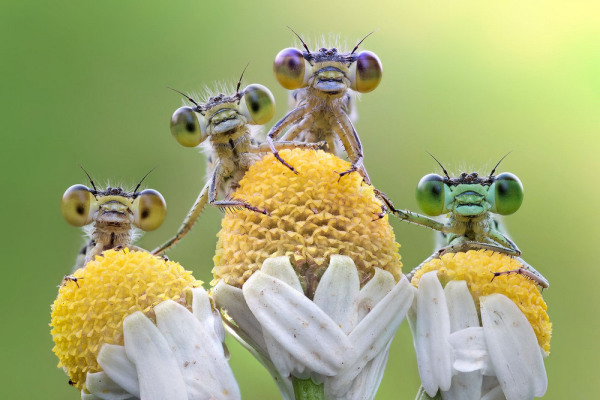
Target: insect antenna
[303,44]
[440,164]
[188,97]
[494,170]
[237,89]
[138,185]
[363,39]
[91,181]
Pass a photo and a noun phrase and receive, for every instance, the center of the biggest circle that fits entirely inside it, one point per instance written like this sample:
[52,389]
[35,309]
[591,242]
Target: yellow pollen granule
[313,215]
[90,311]
[476,267]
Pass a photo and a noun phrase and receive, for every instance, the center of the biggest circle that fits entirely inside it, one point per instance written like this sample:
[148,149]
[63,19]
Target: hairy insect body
[324,82]
[223,124]
[320,123]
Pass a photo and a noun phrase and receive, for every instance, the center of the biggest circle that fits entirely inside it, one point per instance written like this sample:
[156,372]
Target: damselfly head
[113,207]
[327,70]
[224,116]
[470,195]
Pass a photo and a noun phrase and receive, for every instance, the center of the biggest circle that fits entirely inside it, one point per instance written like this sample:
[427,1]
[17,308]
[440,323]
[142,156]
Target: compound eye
[149,210]
[75,205]
[185,127]
[289,68]
[259,104]
[431,194]
[368,72]
[508,194]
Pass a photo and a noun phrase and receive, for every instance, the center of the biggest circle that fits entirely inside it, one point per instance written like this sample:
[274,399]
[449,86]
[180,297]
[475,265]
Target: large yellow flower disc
[90,311]
[476,268]
[313,215]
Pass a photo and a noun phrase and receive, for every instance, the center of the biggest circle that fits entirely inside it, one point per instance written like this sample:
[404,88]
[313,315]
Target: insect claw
[281,160]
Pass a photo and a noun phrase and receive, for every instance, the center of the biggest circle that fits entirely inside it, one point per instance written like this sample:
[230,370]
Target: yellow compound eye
[185,127]
[75,205]
[258,104]
[366,72]
[289,68]
[149,210]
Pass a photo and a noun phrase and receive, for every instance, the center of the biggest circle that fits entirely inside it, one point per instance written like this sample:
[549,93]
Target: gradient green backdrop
[85,82]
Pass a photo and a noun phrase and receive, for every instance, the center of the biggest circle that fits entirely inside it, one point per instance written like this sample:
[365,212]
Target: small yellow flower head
[90,311]
[313,215]
[476,268]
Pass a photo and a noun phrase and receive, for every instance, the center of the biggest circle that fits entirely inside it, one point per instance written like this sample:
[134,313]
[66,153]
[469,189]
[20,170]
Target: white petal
[281,268]
[232,299]
[373,333]
[470,351]
[157,368]
[285,363]
[465,386]
[338,290]
[116,365]
[89,396]
[365,385]
[494,394]
[434,358]
[105,388]
[461,307]
[376,289]
[302,328]
[513,348]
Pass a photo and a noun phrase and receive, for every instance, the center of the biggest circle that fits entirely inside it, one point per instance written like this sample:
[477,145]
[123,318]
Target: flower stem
[306,389]
[422,395]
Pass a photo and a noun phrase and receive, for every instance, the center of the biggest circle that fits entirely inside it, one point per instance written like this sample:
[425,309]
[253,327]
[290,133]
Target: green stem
[422,395]
[306,389]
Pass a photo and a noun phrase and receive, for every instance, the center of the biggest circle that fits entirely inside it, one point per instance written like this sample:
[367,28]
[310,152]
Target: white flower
[498,358]
[181,357]
[340,339]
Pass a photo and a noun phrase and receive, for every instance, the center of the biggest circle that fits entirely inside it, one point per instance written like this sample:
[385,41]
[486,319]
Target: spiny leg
[419,219]
[499,237]
[527,271]
[231,203]
[466,246]
[188,222]
[291,117]
[346,132]
[298,127]
[541,281]
[264,147]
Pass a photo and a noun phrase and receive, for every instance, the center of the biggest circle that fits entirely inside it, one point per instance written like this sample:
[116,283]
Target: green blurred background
[85,82]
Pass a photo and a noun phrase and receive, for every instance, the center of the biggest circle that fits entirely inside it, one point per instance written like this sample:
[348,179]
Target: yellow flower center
[313,215]
[90,311]
[476,267]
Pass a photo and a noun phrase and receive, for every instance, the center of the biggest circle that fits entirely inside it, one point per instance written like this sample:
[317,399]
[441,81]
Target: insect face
[223,118]
[469,200]
[113,208]
[327,71]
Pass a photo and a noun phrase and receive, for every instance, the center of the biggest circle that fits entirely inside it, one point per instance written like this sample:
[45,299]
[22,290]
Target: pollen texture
[476,267]
[313,215]
[90,311]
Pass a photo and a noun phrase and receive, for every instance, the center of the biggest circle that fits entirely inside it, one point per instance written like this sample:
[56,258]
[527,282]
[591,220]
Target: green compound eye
[508,194]
[258,104]
[185,127]
[431,194]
